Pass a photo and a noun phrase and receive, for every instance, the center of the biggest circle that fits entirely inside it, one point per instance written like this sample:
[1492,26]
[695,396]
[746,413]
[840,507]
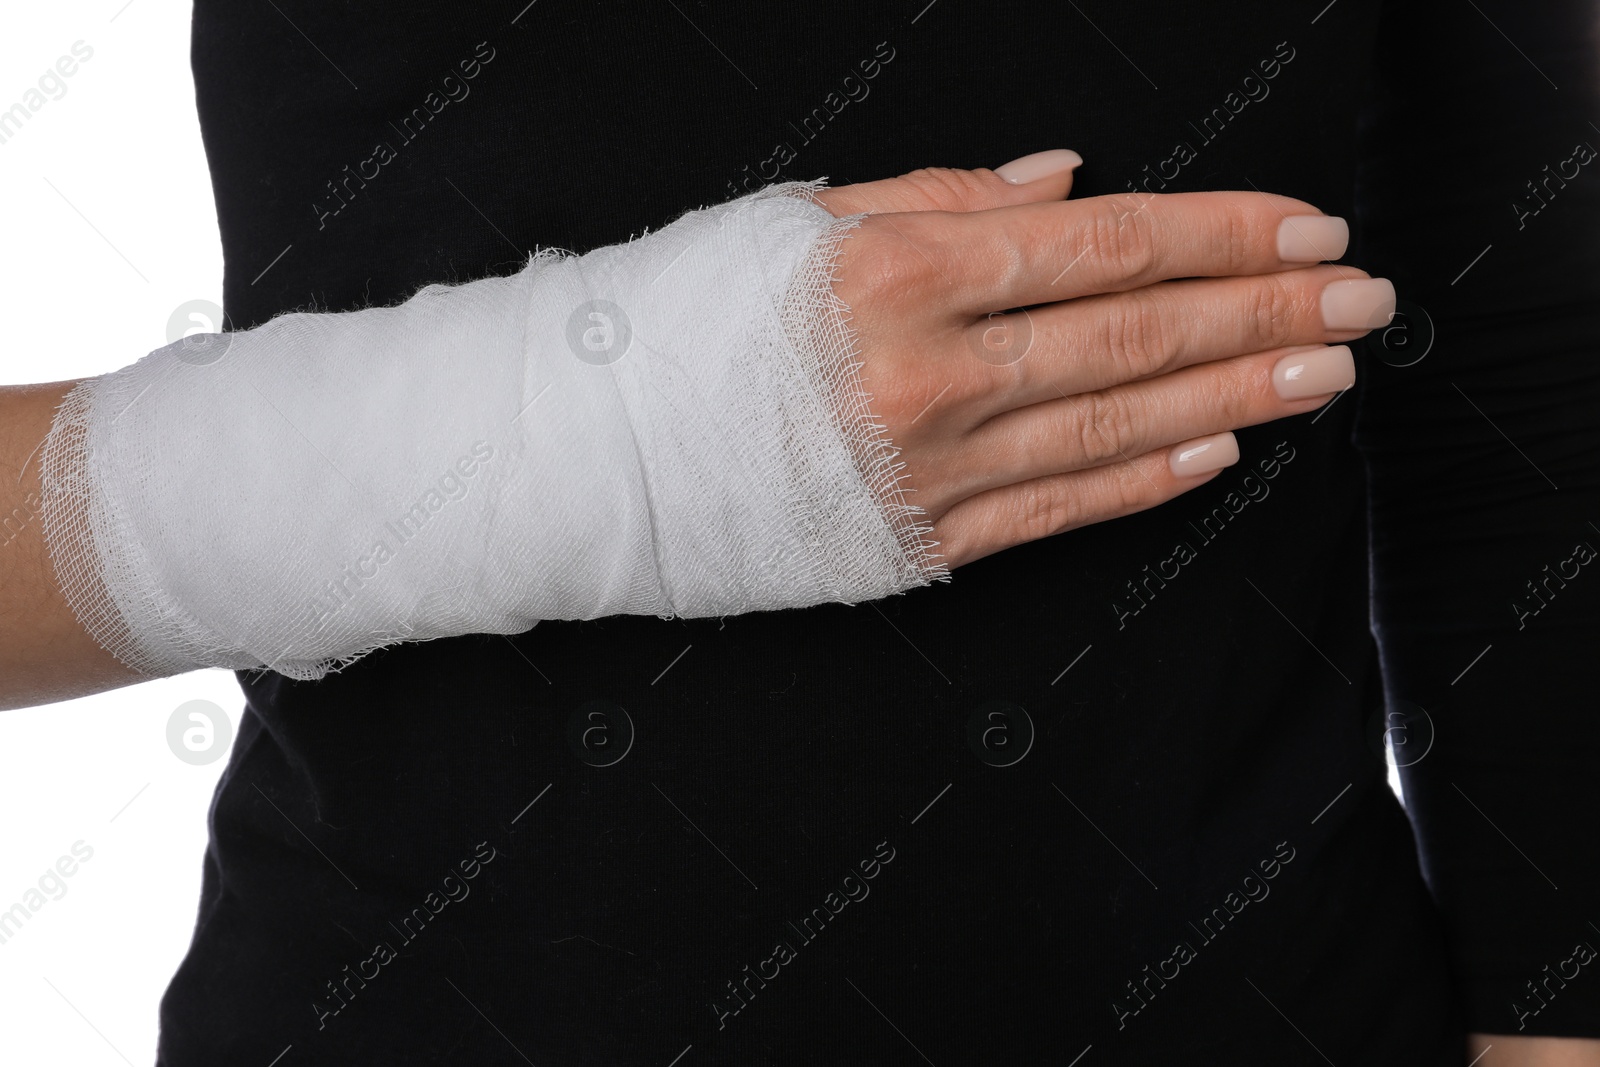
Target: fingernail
[1204,454]
[1312,238]
[1039,165]
[1363,304]
[1315,373]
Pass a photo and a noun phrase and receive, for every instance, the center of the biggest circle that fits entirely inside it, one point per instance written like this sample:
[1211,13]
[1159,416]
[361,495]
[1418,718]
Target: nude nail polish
[1316,372]
[1360,304]
[1039,165]
[1204,454]
[1312,238]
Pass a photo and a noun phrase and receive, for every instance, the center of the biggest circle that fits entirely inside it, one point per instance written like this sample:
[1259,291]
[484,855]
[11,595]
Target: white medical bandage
[674,426]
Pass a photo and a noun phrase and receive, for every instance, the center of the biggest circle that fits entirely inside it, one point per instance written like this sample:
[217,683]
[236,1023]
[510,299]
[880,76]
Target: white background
[109,226]
[123,146]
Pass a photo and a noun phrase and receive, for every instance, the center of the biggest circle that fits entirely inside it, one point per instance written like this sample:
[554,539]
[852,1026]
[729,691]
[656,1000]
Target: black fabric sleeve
[1479,194]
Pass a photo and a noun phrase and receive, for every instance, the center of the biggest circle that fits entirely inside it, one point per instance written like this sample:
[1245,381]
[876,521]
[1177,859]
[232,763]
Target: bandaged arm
[674,426]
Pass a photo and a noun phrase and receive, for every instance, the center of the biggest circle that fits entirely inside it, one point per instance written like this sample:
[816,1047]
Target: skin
[45,655]
[1505,1050]
[1076,432]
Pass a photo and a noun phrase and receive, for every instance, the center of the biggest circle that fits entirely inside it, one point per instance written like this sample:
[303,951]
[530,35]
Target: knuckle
[880,266]
[1105,425]
[1134,491]
[1234,396]
[1272,312]
[1134,333]
[1239,241]
[1121,237]
[897,394]
[1044,508]
[921,402]
[948,189]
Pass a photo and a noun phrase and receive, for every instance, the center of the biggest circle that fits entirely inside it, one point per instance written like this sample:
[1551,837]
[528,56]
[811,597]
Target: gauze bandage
[673,426]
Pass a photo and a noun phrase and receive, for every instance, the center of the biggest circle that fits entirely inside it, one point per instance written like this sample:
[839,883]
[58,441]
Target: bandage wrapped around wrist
[674,426]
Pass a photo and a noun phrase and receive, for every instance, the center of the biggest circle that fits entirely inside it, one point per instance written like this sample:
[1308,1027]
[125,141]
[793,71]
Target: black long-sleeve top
[1112,797]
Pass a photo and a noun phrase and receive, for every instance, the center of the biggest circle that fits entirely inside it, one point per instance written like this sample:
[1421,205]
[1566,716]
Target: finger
[1042,507]
[1027,254]
[1038,177]
[1111,425]
[1096,342]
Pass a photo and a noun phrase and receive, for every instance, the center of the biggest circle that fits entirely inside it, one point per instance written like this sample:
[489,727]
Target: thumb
[1031,179]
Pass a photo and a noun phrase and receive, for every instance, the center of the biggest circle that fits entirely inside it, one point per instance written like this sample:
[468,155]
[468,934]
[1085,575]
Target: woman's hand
[1155,324]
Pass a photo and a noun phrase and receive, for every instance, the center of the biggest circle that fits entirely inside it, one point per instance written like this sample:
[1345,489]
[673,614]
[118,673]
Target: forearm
[45,654]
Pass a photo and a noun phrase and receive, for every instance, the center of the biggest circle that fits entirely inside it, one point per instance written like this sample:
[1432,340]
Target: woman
[1111,796]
